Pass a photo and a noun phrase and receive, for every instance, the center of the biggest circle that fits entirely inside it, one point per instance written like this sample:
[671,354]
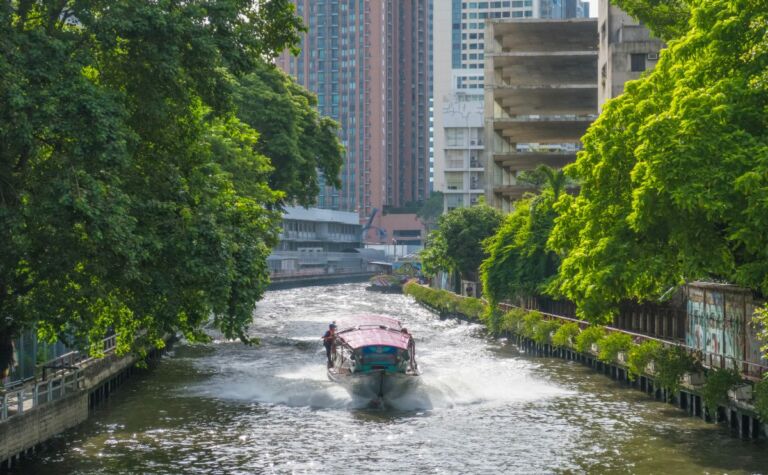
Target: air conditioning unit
[653,56]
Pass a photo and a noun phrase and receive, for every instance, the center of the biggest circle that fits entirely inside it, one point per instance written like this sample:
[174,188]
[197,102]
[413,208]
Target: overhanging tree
[131,197]
[673,173]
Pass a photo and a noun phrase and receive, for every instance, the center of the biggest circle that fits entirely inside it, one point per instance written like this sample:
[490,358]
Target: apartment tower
[370,64]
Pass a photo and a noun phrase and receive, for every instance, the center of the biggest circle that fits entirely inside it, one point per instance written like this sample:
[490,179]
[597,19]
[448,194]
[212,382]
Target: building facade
[540,98]
[626,50]
[370,64]
[459,137]
[317,242]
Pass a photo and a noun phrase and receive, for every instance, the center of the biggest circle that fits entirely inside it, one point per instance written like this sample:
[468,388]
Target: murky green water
[483,408]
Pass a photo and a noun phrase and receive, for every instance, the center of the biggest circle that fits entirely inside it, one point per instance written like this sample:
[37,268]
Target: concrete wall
[620,37]
[38,424]
[23,432]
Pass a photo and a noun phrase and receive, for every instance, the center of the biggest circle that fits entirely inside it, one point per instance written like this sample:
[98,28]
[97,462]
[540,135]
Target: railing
[66,379]
[19,401]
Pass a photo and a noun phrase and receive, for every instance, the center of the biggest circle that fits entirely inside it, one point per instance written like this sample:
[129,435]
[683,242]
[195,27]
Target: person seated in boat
[328,340]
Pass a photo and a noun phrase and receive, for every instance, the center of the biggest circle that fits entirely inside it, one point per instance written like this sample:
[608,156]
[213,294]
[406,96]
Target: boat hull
[375,385]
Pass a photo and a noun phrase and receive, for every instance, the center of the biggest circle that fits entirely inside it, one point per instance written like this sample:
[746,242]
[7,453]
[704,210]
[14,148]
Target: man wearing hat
[328,339]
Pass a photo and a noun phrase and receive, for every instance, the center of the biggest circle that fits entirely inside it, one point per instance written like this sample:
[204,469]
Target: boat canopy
[375,337]
[368,321]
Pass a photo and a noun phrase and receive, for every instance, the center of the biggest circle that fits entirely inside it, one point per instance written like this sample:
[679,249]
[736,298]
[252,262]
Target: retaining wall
[24,432]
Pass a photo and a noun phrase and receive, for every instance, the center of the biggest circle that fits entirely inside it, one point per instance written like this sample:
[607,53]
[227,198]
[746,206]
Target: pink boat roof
[375,337]
[362,321]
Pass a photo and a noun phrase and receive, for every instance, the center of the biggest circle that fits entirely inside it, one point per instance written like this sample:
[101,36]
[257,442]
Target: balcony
[547,100]
[543,131]
[518,161]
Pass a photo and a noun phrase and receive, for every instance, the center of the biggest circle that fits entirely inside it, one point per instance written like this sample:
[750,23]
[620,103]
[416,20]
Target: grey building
[540,98]
[626,50]
[320,241]
[459,137]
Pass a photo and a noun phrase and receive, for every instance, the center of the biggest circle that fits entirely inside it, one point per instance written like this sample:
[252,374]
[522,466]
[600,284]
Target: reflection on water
[481,408]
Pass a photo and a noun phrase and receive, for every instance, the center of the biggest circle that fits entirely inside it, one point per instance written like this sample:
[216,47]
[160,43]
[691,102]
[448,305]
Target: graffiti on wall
[719,322]
[696,336]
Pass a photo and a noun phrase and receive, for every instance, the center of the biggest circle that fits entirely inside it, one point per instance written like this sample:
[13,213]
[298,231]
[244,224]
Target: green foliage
[671,363]
[518,263]
[588,336]
[431,209]
[298,141]
[674,180]
[531,321]
[640,355]
[471,307]
[760,323]
[565,336]
[543,331]
[434,256]
[611,345]
[715,390]
[131,197]
[667,19]
[512,320]
[761,399]
[444,302]
[457,243]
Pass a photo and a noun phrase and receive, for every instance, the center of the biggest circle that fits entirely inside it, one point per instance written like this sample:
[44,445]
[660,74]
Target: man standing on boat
[328,339]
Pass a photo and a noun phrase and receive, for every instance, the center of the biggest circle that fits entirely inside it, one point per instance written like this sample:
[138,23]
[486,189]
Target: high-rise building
[459,138]
[370,64]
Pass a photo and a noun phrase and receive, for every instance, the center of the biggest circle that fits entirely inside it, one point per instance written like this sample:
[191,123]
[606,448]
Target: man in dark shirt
[328,339]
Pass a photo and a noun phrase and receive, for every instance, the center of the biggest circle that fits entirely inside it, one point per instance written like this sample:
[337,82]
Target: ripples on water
[482,408]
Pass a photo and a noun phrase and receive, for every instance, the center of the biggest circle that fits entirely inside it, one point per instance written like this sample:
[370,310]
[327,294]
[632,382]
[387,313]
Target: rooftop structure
[540,98]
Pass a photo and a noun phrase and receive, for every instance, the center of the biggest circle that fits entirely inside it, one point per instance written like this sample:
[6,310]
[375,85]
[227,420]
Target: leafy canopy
[519,264]
[667,19]
[673,172]
[456,245]
[132,197]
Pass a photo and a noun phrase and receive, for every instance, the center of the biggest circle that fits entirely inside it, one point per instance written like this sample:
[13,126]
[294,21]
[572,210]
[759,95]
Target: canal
[483,408]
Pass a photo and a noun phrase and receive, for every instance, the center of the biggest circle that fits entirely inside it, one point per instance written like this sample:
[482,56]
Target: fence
[66,378]
[748,369]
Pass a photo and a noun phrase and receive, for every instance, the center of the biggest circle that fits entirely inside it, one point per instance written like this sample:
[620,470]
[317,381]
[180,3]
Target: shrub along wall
[665,364]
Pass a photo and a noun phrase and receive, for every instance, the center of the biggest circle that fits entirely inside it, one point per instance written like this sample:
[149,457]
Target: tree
[667,19]
[457,243]
[131,198]
[298,141]
[673,172]
[519,263]
[431,209]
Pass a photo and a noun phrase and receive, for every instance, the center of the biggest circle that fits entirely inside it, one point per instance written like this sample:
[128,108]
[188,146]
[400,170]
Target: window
[454,181]
[637,62]
[454,137]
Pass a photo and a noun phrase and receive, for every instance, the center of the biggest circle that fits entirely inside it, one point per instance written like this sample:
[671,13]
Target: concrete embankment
[36,412]
[739,416]
[294,281]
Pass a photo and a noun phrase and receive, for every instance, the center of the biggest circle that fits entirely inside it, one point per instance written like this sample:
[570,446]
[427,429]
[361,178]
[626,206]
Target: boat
[388,284]
[374,357]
